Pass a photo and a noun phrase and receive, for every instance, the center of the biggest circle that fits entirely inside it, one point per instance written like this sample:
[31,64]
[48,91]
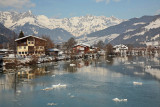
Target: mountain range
[57,29]
[143,31]
[87,29]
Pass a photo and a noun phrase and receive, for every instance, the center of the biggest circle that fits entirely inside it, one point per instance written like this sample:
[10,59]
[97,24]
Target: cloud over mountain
[16,3]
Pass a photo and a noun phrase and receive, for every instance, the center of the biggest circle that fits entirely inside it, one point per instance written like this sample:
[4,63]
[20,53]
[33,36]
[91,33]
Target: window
[25,52]
[24,47]
[22,52]
[19,52]
[28,42]
[20,47]
[32,42]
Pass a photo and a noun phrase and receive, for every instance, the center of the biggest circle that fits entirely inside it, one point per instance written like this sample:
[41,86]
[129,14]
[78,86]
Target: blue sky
[124,9]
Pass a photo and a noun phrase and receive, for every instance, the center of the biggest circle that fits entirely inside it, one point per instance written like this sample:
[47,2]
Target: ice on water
[119,100]
[51,104]
[137,83]
[55,87]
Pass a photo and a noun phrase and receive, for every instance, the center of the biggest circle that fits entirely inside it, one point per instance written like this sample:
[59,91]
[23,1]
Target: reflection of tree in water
[130,58]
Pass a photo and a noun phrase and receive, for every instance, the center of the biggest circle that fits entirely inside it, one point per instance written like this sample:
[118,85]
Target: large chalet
[30,45]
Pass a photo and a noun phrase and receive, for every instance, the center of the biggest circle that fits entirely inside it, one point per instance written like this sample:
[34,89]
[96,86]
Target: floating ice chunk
[148,67]
[48,71]
[72,65]
[127,63]
[53,75]
[47,88]
[51,104]
[72,96]
[108,61]
[54,87]
[141,62]
[139,73]
[137,83]
[134,63]
[59,86]
[18,91]
[119,100]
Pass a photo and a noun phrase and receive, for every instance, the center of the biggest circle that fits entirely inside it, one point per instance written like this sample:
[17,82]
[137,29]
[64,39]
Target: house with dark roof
[30,45]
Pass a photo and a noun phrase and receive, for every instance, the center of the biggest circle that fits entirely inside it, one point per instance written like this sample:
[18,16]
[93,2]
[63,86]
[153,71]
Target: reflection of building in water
[8,81]
[31,73]
[154,72]
[120,59]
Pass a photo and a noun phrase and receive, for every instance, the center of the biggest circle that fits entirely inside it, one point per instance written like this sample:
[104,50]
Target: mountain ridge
[77,26]
[125,32]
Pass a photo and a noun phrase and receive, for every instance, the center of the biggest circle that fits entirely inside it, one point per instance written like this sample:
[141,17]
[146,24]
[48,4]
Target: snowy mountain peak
[77,26]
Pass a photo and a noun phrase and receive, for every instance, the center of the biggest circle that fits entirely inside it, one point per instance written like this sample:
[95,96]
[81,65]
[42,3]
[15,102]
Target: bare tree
[69,44]
[100,45]
[49,43]
[109,49]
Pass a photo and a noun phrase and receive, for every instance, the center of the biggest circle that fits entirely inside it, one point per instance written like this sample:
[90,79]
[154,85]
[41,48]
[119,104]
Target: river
[133,81]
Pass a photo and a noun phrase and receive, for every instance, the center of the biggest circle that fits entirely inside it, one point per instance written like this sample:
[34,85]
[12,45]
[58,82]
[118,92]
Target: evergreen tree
[21,35]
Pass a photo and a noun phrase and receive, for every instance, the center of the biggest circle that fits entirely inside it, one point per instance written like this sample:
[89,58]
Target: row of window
[24,47]
[23,52]
[27,52]
[20,47]
[30,42]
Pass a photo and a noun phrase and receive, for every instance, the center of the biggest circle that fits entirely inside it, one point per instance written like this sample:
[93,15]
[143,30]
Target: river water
[90,83]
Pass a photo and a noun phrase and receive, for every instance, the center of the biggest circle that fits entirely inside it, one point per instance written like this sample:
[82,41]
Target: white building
[122,49]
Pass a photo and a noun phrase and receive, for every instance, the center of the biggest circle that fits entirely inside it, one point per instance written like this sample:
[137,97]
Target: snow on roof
[30,36]
[120,46]
[82,44]
[53,50]
[4,50]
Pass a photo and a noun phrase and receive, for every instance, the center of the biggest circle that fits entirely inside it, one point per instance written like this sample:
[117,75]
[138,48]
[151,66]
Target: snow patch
[140,23]
[154,24]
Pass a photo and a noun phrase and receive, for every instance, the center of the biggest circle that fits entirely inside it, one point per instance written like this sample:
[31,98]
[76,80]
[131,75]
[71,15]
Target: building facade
[121,49]
[81,48]
[30,45]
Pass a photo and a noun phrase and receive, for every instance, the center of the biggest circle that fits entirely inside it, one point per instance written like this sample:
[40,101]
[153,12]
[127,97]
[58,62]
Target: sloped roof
[82,44]
[53,50]
[30,36]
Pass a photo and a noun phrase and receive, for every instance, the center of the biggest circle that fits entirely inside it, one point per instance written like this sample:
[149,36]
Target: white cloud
[107,1]
[16,3]
[117,0]
[99,1]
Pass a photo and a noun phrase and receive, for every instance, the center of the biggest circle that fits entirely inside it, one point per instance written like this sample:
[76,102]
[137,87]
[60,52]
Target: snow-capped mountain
[77,26]
[141,30]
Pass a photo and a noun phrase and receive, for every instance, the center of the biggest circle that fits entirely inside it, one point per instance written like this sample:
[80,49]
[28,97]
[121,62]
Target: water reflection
[133,66]
[96,75]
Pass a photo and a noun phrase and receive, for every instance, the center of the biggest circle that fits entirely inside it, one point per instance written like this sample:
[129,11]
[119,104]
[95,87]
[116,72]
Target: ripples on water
[105,82]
